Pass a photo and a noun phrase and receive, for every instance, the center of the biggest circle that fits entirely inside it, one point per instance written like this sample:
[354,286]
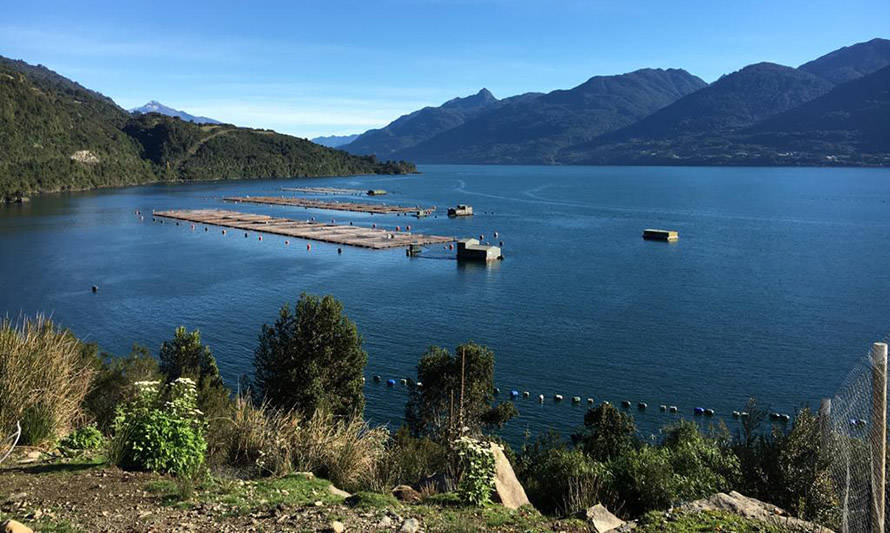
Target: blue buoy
[698,411]
[391,383]
[514,393]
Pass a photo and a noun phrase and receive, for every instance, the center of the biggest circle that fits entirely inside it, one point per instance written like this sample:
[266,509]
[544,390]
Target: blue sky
[332,67]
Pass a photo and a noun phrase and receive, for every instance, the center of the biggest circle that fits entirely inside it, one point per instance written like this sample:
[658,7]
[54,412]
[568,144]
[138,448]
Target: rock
[318,503]
[16,497]
[507,488]
[600,519]
[751,508]
[410,526]
[338,492]
[11,526]
[34,454]
[337,527]
[85,156]
[406,494]
[385,522]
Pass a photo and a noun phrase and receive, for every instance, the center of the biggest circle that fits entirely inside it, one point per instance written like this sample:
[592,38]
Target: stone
[337,526]
[385,522]
[406,494]
[600,519]
[11,526]
[412,525]
[507,488]
[752,508]
[338,492]
[34,454]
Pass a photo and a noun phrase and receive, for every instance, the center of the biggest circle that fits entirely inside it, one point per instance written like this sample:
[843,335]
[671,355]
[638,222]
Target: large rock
[338,492]
[406,494]
[412,525]
[507,488]
[754,509]
[600,519]
[11,526]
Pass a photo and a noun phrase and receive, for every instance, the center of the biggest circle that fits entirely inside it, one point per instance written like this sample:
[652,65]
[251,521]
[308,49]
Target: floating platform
[374,238]
[323,190]
[660,235]
[472,250]
[461,210]
[380,209]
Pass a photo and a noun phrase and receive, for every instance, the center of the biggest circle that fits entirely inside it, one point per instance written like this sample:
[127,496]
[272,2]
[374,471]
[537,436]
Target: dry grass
[43,379]
[346,451]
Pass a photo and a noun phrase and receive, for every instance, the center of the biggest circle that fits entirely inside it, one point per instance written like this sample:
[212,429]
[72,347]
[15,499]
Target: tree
[607,433]
[457,392]
[311,359]
[185,356]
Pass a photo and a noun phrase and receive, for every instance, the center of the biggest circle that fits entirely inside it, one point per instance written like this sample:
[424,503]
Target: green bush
[113,383]
[477,471]
[84,438]
[562,480]
[607,433]
[408,460]
[161,430]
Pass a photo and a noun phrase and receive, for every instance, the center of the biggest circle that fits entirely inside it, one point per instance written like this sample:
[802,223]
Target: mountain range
[760,114]
[334,141]
[156,107]
[56,135]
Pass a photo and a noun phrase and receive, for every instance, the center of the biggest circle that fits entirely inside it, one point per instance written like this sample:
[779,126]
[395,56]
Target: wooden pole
[825,422]
[878,433]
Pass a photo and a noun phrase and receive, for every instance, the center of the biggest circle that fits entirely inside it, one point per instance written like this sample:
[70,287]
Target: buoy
[407,228]
[744,414]
[576,399]
[540,398]
[698,411]
[373,225]
[451,247]
[223,232]
[709,412]
[398,228]
[403,381]
[662,408]
[177,223]
[245,234]
[495,235]
[607,402]
[390,383]
[308,246]
[376,379]
[205,228]
[736,414]
[642,406]
[525,394]
[557,397]
[95,288]
[339,250]
[481,237]
[193,226]
[589,401]
[501,244]
[626,404]
[786,418]
[287,243]
[497,390]
[514,393]
[260,237]
[673,409]
[419,384]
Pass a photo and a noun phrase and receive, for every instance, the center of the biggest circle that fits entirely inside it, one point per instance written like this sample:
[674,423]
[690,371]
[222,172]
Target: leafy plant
[84,438]
[477,470]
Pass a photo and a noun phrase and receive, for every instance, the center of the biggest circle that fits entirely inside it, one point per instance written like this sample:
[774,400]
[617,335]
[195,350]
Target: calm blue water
[777,286]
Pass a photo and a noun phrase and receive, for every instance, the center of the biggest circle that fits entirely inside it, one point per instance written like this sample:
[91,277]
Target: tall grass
[43,379]
[269,441]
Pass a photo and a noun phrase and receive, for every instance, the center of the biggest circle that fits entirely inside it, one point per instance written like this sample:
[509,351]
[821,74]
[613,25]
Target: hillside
[533,129]
[334,141]
[156,107]
[411,129]
[57,135]
[851,62]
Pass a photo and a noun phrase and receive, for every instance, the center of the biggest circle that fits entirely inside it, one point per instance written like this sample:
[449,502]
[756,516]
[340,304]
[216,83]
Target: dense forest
[57,135]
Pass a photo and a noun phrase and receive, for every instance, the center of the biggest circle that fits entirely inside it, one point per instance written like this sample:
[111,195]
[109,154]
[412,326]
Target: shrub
[408,460]
[457,393]
[311,360]
[113,383]
[84,438]
[607,433]
[477,470]
[44,377]
[161,430]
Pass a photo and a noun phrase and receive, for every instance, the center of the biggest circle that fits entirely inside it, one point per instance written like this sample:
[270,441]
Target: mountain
[334,141]
[156,107]
[855,115]
[57,135]
[532,128]
[851,62]
[416,127]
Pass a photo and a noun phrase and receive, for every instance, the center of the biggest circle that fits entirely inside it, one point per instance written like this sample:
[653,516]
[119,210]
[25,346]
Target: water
[777,285]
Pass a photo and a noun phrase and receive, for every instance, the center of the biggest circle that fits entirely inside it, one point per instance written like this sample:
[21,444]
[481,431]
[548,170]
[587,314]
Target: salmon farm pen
[321,204]
[374,238]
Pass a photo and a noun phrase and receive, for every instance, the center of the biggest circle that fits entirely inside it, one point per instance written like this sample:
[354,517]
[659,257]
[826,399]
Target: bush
[607,433]
[561,480]
[113,384]
[408,460]
[311,360]
[477,470]
[161,430]
[44,377]
[84,438]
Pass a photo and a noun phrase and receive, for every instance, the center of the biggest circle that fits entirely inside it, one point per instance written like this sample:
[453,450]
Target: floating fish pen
[462,210]
[380,209]
[324,190]
[472,250]
[660,235]
[362,237]
[376,192]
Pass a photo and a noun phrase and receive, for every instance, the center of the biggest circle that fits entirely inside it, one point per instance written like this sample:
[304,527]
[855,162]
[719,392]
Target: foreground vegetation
[56,135]
[298,426]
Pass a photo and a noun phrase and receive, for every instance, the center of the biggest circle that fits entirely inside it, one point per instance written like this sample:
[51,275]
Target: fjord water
[775,289]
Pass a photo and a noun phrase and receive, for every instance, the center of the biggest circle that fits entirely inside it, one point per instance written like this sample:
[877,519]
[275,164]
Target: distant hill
[532,128]
[335,141]
[851,62]
[156,107]
[409,130]
[56,135]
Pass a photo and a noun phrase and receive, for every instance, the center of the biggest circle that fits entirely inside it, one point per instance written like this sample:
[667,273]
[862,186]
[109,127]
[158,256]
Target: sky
[339,67]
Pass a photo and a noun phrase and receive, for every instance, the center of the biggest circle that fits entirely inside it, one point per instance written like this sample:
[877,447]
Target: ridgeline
[56,135]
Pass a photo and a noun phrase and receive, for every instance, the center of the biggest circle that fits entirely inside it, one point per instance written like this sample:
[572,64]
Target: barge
[660,235]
